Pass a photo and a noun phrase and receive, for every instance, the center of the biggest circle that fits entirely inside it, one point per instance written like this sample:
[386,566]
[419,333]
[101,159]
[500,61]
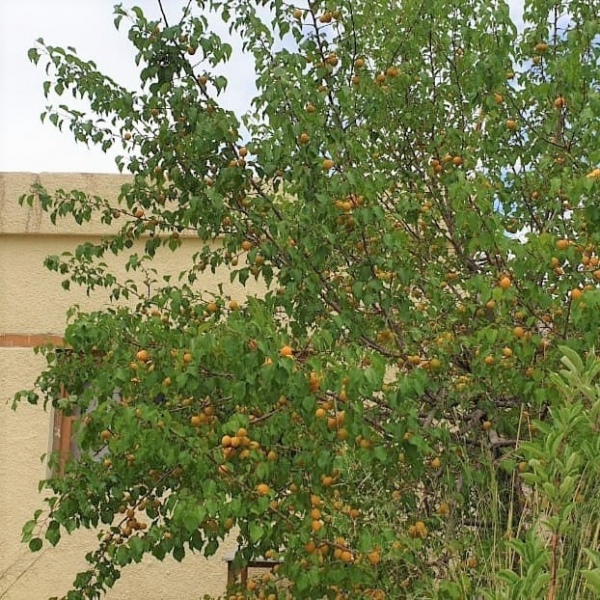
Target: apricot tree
[416,188]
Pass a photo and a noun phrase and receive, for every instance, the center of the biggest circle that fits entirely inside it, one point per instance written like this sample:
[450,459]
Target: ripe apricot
[505,282]
[511,124]
[347,556]
[263,489]
[142,355]
[327,164]
[286,351]
[560,102]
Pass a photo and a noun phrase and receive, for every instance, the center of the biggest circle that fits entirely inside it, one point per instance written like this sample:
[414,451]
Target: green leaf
[53,532]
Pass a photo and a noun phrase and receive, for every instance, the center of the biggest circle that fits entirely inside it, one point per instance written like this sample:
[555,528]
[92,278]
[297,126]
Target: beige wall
[32,301]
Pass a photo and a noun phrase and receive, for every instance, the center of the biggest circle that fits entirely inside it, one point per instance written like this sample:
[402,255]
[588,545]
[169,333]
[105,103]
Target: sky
[26,144]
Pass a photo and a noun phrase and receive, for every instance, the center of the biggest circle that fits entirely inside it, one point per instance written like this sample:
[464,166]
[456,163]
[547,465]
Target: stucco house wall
[33,305]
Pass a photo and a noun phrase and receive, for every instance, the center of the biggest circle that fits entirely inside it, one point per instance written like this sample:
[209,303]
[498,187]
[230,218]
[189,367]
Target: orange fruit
[286,351]
[327,164]
[576,294]
[504,283]
[559,102]
[263,489]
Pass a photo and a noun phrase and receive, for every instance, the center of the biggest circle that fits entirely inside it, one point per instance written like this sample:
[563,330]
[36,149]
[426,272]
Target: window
[63,438]
[64,429]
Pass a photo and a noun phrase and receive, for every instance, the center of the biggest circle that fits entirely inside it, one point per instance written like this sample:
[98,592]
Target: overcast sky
[26,144]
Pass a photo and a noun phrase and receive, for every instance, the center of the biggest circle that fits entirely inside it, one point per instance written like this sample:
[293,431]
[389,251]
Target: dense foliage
[416,188]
